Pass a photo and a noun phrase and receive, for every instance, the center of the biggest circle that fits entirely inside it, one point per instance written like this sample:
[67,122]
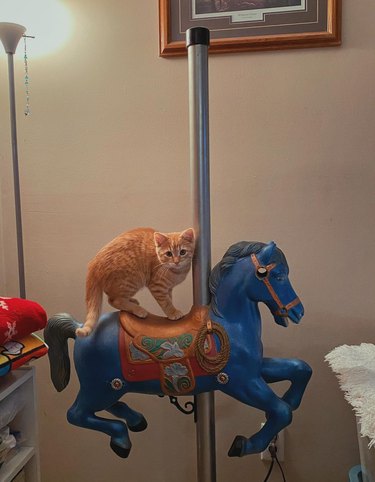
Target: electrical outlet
[279,442]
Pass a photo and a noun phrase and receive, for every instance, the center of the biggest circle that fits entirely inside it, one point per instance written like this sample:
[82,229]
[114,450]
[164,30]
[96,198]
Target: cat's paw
[83,331]
[175,315]
[140,312]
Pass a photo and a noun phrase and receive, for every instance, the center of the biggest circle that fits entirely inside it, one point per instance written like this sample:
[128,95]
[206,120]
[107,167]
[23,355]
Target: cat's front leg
[174,314]
[164,299]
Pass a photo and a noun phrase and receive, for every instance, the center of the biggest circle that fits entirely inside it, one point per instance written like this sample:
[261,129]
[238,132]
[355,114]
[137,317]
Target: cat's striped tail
[94,299]
[59,328]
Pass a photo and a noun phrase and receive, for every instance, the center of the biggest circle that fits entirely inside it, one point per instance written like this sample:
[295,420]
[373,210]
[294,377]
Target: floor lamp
[10,35]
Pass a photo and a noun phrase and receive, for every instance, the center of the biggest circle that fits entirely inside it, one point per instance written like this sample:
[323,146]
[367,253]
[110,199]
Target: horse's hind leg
[258,394]
[296,371]
[136,422]
[128,304]
[117,430]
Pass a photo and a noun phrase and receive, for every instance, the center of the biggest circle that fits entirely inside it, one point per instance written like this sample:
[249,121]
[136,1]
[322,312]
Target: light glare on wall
[48,20]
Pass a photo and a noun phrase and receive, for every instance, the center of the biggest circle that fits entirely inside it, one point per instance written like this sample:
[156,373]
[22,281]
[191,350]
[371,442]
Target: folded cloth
[14,354]
[19,318]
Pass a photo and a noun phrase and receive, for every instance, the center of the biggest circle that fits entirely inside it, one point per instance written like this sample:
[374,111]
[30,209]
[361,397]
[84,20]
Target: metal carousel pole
[10,35]
[197,42]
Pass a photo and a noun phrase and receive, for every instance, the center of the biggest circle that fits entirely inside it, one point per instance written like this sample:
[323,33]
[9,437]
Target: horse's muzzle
[293,312]
[296,313]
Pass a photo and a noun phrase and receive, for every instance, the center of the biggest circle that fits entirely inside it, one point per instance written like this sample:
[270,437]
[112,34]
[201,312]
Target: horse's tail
[59,328]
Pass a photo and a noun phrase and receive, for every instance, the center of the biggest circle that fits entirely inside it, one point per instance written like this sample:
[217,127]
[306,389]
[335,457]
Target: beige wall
[292,159]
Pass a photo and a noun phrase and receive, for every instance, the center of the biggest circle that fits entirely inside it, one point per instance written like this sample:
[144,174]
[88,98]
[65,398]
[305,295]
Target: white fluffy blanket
[355,369]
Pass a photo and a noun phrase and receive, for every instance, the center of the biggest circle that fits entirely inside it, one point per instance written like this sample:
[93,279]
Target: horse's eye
[183,252]
[262,272]
[169,254]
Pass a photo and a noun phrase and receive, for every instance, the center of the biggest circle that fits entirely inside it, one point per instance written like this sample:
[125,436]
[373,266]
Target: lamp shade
[10,35]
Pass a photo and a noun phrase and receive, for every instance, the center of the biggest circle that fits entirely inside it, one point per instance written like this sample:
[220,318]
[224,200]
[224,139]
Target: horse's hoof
[120,451]
[139,427]
[238,447]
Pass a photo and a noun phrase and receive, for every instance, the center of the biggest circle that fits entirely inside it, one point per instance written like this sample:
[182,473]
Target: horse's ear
[265,255]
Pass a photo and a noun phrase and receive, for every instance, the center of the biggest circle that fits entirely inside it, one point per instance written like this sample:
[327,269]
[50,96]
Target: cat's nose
[176,260]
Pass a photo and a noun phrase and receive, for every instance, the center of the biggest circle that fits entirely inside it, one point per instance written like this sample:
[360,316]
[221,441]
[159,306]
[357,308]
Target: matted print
[243,25]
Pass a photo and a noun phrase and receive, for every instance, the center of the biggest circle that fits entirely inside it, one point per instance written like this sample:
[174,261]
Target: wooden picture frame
[235,27]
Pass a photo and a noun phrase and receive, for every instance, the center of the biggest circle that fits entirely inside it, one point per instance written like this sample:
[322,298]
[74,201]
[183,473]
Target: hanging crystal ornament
[27,80]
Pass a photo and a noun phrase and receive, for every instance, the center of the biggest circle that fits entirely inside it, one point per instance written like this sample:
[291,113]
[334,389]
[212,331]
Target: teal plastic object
[355,474]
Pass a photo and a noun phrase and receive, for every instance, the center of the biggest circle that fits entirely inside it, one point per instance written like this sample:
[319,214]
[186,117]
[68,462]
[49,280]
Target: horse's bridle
[262,273]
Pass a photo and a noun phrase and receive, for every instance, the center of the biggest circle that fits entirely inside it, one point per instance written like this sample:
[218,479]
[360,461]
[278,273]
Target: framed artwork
[245,25]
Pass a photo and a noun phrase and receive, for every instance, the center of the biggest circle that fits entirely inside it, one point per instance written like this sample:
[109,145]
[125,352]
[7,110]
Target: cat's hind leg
[128,304]
[134,300]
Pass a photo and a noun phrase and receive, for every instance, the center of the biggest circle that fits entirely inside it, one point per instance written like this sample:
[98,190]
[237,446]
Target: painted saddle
[174,352]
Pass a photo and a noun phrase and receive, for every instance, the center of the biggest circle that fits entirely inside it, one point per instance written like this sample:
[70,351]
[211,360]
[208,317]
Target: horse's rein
[262,273]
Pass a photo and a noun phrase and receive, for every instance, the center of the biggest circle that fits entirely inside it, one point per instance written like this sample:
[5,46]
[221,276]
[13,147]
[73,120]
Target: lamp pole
[10,35]
[197,42]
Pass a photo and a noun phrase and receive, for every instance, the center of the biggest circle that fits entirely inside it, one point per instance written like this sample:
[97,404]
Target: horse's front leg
[135,421]
[79,414]
[258,394]
[296,371]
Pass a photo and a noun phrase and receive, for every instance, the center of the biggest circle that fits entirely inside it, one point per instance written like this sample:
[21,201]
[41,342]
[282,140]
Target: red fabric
[19,318]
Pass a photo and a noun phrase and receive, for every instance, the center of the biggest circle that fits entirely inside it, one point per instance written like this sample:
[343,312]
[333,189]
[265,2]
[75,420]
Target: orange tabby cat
[135,259]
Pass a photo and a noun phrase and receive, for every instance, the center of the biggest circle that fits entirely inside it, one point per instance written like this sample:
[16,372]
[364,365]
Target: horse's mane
[232,255]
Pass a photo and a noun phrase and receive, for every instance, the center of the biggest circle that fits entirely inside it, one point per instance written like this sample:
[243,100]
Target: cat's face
[175,250]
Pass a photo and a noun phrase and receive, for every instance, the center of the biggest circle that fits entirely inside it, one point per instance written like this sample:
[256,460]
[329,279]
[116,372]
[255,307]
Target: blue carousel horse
[126,355]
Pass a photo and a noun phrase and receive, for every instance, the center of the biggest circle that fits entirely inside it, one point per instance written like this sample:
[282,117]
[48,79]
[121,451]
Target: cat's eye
[169,254]
[183,252]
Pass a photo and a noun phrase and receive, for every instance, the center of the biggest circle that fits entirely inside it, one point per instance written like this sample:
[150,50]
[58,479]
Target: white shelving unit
[22,380]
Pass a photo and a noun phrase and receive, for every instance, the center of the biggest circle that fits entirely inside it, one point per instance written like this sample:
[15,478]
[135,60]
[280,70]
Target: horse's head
[259,272]
[270,284]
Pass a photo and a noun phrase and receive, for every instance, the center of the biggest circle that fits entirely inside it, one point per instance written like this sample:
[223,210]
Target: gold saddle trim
[160,327]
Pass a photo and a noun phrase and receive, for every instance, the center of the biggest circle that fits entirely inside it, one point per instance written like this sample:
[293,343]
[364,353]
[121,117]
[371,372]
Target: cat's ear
[188,235]
[160,239]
